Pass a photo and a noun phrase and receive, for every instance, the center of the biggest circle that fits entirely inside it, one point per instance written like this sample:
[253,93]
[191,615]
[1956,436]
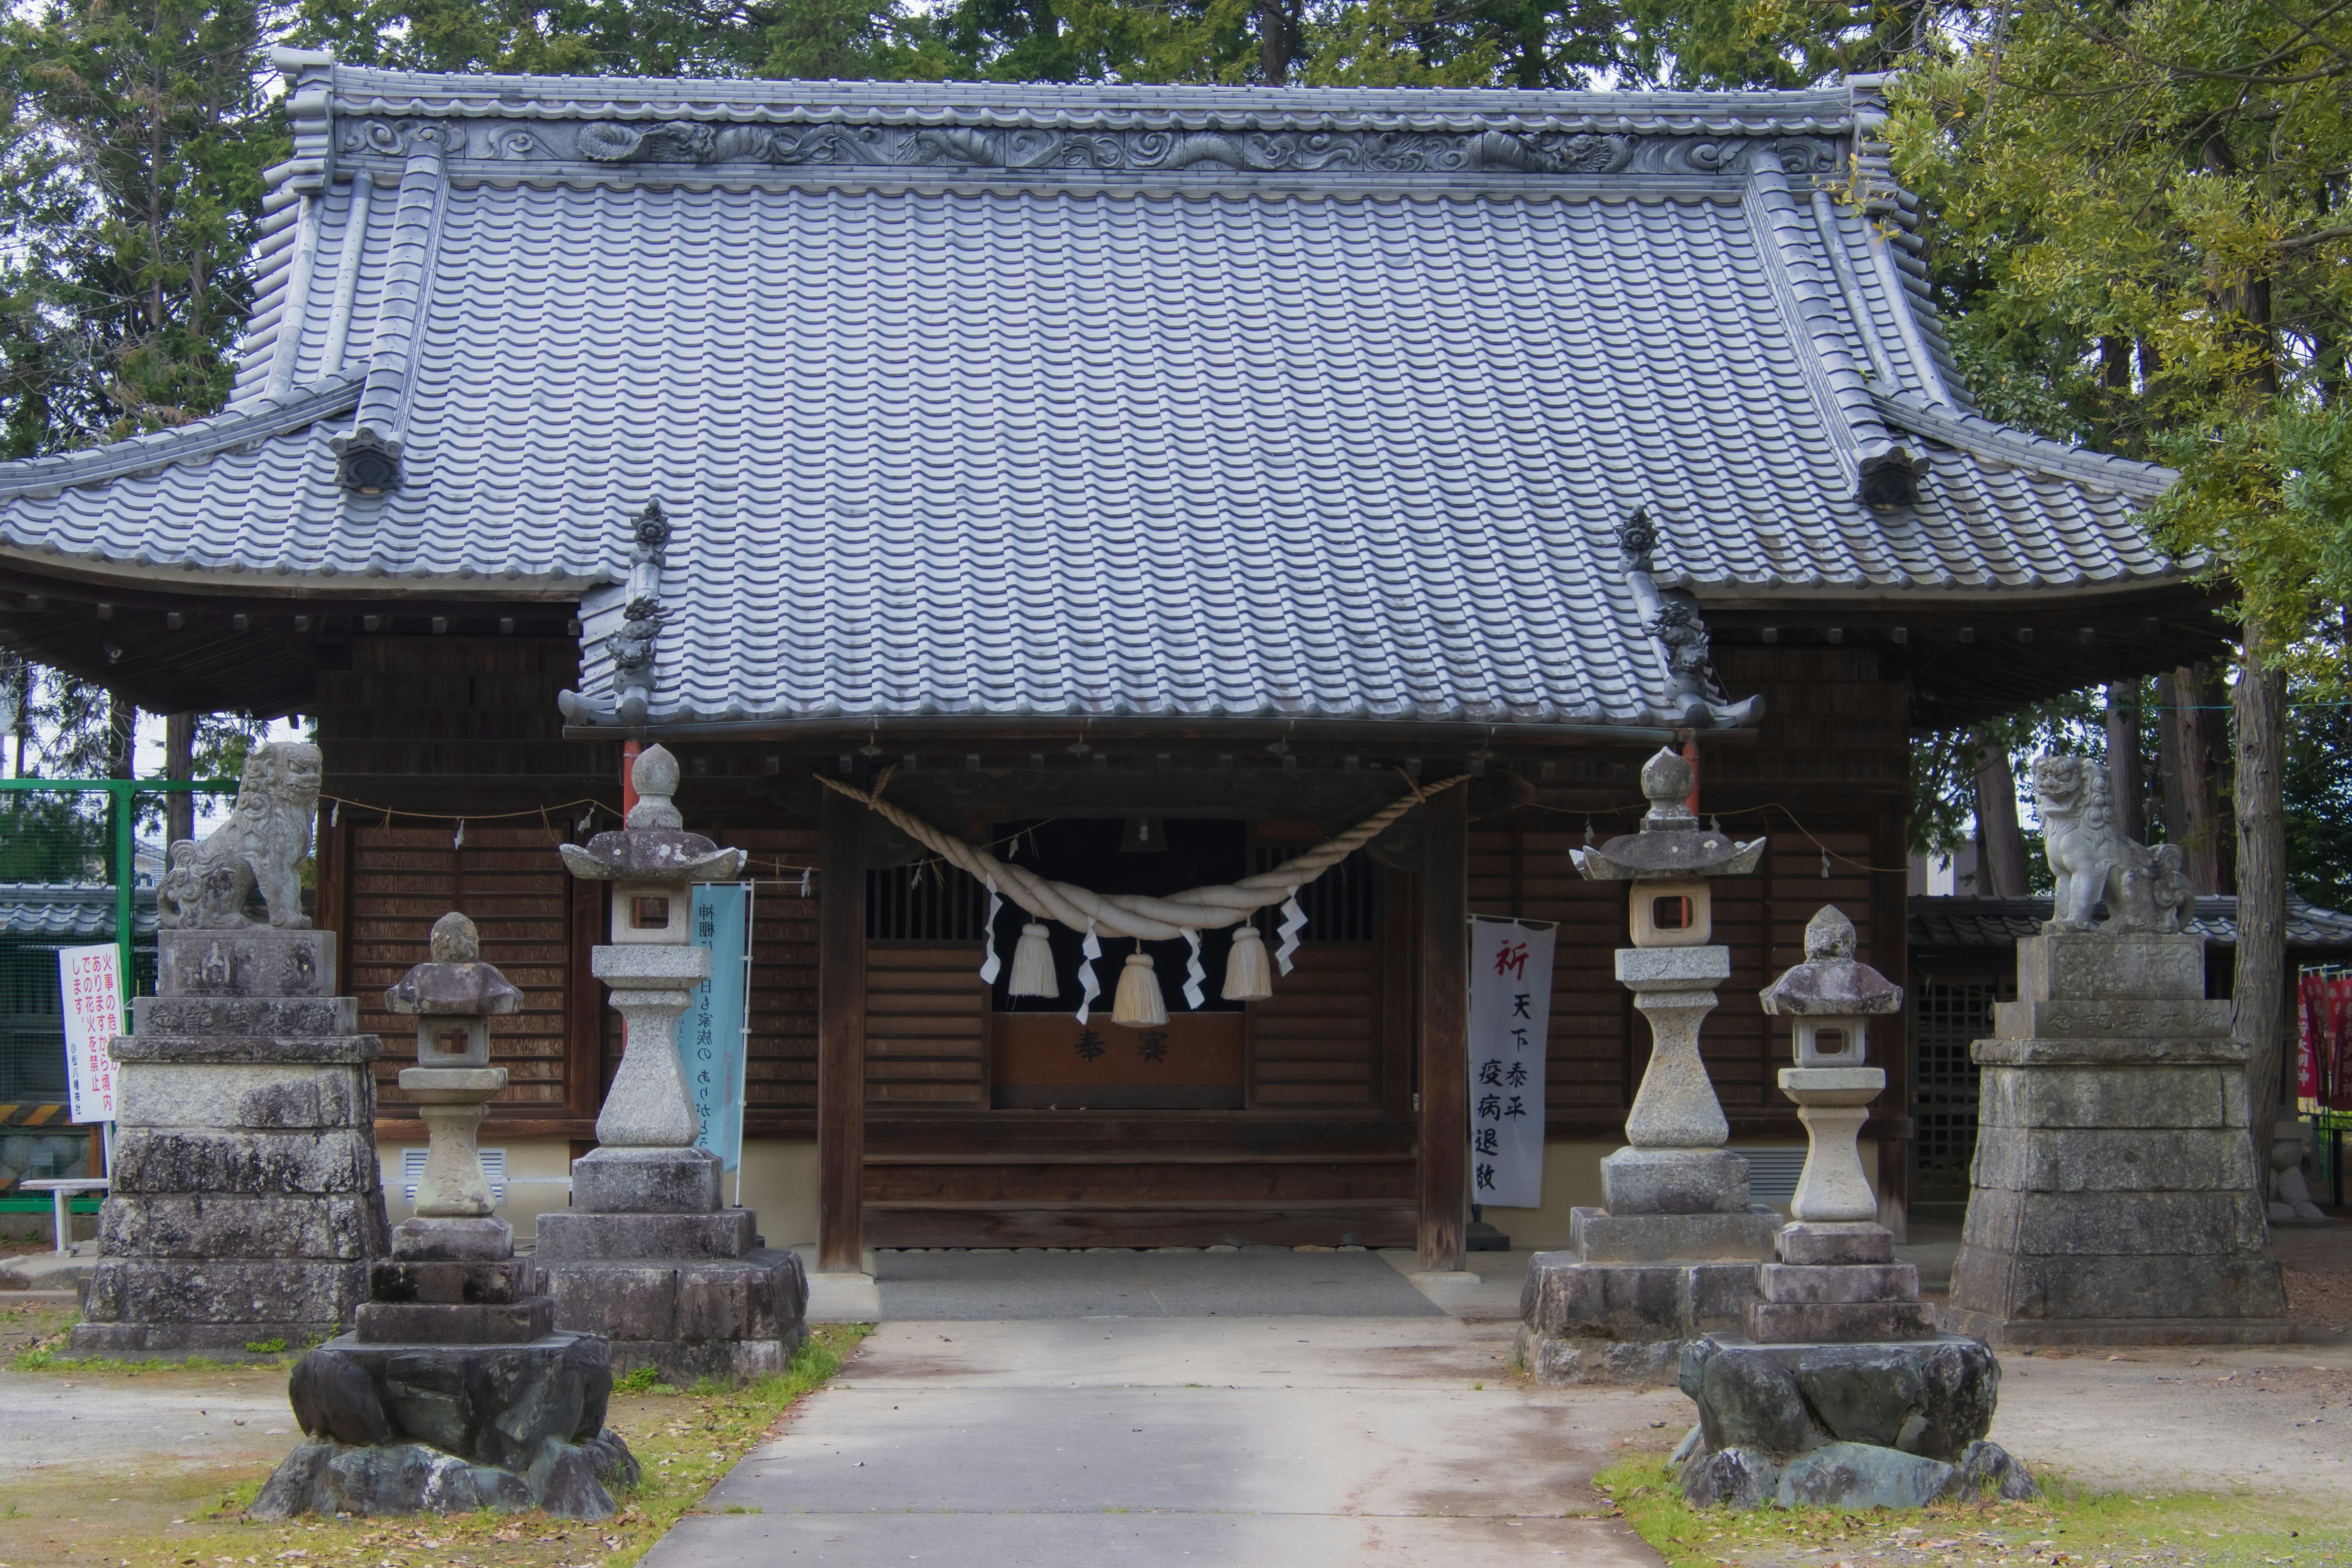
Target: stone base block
[456,1324]
[2197,1289]
[258,1097]
[1633,1364]
[1813,1243]
[1813,1323]
[677,1314]
[450,1240]
[310,1163]
[1674,1182]
[572,1237]
[1930,1397]
[2098,966]
[233,1293]
[268,1016]
[2004,1332]
[344,1227]
[401,1428]
[685,1363]
[1852,1476]
[453,1284]
[256,962]
[1622,1322]
[1599,1236]
[647,1181]
[1790,1282]
[175,1341]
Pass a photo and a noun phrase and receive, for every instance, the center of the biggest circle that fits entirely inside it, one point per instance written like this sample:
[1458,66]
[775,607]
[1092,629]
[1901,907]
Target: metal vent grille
[1772,1172]
[494,1166]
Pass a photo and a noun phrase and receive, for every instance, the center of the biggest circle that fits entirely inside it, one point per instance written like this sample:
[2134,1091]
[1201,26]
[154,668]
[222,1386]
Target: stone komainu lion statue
[259,849]
[2147,888]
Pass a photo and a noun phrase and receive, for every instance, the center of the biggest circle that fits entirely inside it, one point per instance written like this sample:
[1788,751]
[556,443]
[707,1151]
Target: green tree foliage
[131,166]
[2145,203]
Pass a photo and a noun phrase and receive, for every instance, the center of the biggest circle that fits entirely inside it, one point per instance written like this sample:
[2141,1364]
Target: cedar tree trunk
[2260,701]
[2000,848]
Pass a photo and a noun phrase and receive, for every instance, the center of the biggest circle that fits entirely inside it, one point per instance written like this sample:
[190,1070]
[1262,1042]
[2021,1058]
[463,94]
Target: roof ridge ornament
[1693,696]
[641,616]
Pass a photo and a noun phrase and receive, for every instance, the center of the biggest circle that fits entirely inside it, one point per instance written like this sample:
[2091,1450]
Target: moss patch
[685,1440]
[2070,1527]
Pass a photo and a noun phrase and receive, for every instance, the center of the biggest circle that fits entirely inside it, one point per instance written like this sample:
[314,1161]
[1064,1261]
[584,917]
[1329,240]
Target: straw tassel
[1138,1004]
[1247,978]
[1033,963]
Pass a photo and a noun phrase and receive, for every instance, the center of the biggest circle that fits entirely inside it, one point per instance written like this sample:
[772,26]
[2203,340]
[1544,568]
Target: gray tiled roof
[70,911]
[1024,399]
[1971,922]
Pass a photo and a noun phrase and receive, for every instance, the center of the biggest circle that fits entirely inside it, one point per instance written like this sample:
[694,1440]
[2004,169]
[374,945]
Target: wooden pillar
[1445,1028]
[179,763]
[1890,1039]
[841,1036]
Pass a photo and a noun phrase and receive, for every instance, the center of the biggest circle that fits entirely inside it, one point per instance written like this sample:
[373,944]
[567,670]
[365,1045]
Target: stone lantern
[1672,1253]
[1830,999]
[1840,1392]
[648,1256]
[455,1390]
[453,999]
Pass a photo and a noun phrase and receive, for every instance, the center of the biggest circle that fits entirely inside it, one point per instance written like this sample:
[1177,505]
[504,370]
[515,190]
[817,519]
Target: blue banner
[710,1035]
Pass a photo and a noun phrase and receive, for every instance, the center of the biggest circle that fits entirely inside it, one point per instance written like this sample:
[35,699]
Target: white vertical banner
[1510,1018]
[90,983]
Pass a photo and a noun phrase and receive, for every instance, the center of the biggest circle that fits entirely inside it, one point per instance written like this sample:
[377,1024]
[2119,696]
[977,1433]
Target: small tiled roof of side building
[1027,400]
[70,911]
[1947,923]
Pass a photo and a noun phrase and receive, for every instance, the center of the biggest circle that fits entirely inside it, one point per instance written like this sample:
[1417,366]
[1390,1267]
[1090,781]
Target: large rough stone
[1752,1401]
[1933,1398]
[1729,1478]
[647,1181]
[568,1480]
[1858,1475]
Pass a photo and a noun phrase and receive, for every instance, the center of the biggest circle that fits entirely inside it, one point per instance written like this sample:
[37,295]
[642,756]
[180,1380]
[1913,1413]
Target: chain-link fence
[80,860]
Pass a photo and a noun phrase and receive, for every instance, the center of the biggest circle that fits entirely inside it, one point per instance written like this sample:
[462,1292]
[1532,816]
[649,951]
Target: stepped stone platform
[2116,1196]
[246,1203]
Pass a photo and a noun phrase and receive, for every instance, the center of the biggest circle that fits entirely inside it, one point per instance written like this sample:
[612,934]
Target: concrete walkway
[1291,1442]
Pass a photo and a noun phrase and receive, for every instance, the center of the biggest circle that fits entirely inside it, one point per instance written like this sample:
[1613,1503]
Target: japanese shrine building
[1199,458]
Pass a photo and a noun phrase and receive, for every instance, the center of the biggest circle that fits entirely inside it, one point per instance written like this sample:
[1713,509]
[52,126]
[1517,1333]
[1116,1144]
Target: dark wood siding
[926,1026]
[509,881]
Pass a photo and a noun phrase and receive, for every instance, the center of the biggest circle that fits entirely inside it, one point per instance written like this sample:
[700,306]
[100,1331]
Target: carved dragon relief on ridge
[1080,151]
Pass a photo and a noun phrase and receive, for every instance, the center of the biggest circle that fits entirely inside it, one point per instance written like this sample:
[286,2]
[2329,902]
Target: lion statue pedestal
[2116,1197]
[245,1202]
